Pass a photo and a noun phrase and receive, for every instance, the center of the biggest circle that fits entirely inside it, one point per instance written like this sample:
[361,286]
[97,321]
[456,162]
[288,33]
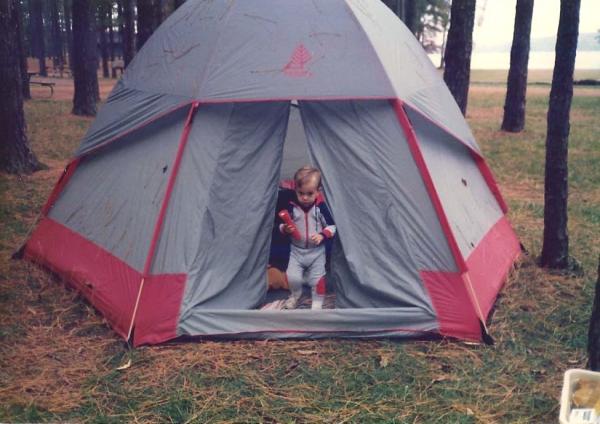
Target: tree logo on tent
[295,67]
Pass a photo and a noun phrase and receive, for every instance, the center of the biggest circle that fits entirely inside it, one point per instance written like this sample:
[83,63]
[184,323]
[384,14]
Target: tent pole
[163,211]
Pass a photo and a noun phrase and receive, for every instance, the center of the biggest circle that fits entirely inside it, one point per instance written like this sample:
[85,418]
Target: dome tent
[163,218]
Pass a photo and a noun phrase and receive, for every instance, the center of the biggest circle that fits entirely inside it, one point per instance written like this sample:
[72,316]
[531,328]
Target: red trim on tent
[169,190]
[435,199]
[158,313]
[289,99]
[60,184]
[106,281]
[161,217]
[109,283]
[452,304]
[490,180]
[479,159]
[488,264]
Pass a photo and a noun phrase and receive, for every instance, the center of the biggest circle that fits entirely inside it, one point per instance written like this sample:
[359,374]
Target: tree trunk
[410,15]
[146,21]
[127,35]
[555,249]
[57,44]
[457,57]
[111,34]
[85,59]
[22,54]
[37,22]
[103,14]
[15,155]
[594,329]
[514,104]
[67,7]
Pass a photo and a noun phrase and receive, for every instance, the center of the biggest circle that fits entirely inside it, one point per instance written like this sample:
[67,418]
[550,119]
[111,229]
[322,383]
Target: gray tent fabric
[124,111]
[240,50]
[218,229]
[468,202]
[170,202]
[114,196]
[383,198]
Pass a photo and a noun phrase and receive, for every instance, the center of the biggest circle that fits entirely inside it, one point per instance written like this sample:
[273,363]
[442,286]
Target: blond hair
[305,174]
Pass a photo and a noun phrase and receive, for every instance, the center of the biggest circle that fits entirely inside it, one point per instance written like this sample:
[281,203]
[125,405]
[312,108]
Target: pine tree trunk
[15,155]
[85,59]
[127,34]
[22,55]
[514,104]
[111,35]
[457,57]
[146,21]
[410,15]
[37,21]
[67,7]
[57,44]
[555,249]
[594,329]
[102,35]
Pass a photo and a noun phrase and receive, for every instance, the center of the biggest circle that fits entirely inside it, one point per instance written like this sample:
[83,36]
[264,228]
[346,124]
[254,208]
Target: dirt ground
[63,90]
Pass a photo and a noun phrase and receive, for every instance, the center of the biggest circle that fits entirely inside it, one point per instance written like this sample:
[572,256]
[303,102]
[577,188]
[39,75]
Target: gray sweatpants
[307,266]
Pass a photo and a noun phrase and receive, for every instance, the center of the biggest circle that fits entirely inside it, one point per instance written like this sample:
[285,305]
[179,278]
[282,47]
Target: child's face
[307,194]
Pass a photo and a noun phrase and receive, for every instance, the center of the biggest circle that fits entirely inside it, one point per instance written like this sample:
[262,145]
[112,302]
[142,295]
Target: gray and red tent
[163,219]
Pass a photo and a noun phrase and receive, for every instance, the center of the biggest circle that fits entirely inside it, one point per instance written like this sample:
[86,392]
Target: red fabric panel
[452,305]
[490,262]
[488,266]
[107,282]
[158,312]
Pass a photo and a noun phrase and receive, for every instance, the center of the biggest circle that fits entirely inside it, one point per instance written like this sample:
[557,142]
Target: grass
[59,360]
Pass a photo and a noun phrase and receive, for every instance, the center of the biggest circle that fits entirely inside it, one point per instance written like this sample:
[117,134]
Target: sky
[495,25]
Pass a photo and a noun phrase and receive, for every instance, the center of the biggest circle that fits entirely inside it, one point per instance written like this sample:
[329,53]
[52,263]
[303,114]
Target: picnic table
[48,84]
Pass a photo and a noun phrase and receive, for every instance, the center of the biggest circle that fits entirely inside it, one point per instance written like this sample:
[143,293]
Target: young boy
[307,253]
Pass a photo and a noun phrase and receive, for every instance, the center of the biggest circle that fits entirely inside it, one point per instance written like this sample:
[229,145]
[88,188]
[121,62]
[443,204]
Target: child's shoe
[291,302]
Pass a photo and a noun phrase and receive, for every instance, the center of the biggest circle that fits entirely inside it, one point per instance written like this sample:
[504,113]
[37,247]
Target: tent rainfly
[163,218]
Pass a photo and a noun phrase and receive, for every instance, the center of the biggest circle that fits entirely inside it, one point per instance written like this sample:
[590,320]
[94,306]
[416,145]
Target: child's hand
[288,229]
[317,238]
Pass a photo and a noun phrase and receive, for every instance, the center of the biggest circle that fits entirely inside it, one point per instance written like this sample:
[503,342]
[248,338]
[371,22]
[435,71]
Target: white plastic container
[571,378]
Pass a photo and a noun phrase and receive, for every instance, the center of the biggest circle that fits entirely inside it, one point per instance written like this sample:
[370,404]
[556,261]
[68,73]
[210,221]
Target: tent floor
[305,300]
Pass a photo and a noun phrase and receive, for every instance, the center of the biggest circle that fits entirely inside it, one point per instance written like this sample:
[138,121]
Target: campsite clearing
[59,360]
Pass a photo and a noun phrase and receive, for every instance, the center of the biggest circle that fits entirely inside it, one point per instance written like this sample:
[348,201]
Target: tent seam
[362,29]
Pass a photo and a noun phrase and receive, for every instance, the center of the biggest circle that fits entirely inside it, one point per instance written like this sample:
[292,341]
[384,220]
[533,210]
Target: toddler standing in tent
[308,225]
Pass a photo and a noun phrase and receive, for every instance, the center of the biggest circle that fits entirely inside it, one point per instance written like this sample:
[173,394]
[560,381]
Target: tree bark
[457,57]
[15,154]
[514,104]
[37,36]
[594,329]
[57,43]
[127,34]
[103,15]
[147,21]
[85,59]
[410,15]
[111,34]
[555,249]
[67,7]
[22,54]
